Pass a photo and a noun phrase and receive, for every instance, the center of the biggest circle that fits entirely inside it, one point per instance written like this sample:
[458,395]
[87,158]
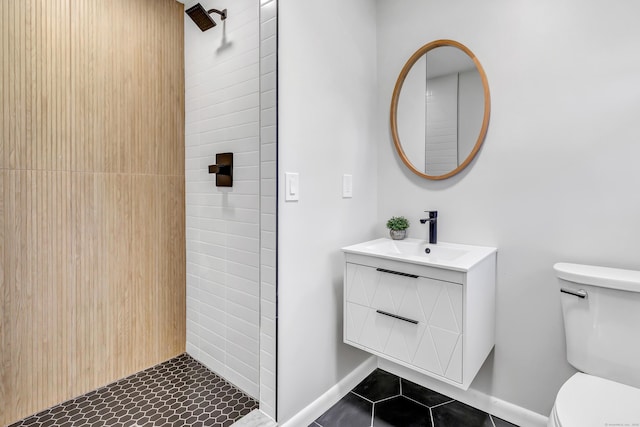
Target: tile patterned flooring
[385,400]
[179,392]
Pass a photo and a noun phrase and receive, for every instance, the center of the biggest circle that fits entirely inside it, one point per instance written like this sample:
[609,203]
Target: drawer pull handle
[395,316]
[383,270]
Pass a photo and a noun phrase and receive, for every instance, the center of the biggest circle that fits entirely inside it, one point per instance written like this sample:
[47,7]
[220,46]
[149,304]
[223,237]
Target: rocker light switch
[347,186]
[292,187]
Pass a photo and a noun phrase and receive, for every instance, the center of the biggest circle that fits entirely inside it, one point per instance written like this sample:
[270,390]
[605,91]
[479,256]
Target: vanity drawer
[407,318]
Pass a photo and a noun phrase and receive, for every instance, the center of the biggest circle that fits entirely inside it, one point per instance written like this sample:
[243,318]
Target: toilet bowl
[586,400]
[601,314]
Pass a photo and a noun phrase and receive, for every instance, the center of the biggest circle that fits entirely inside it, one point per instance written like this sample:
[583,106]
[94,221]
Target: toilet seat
[585,400]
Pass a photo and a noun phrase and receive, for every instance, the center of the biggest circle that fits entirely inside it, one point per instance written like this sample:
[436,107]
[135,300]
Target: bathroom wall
[92,248]
[326,128]
[222,114]
[556,179]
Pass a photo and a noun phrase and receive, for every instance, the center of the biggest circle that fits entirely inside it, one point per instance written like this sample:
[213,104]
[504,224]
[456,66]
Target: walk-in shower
[230,106]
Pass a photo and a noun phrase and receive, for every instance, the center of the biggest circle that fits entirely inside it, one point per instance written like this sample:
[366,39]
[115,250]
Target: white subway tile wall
[223,93]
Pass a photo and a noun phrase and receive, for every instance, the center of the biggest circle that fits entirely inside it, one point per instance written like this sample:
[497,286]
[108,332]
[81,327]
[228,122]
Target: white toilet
[601,310]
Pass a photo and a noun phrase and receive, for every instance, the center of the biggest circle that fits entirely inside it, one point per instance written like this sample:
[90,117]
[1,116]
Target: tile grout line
[361,397]
[445,403]
[373,413]
[422,404]
[388,398]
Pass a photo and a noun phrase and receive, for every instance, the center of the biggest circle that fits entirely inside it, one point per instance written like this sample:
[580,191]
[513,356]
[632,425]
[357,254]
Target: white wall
[223,247]
[326,125]
[557,178]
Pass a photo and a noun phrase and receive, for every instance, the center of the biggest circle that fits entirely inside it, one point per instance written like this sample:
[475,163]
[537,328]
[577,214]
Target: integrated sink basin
[417,248]
[451,256]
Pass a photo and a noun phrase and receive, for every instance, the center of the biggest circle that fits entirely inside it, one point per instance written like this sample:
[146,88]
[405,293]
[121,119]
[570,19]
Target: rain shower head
[202,17]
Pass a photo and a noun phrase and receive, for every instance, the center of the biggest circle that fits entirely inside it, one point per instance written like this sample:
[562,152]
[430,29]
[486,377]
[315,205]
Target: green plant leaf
[398,223]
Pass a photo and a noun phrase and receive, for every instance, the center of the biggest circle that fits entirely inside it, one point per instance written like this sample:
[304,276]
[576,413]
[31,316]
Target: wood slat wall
[92,244]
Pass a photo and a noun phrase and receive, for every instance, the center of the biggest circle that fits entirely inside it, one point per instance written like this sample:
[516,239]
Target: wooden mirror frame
[396,96]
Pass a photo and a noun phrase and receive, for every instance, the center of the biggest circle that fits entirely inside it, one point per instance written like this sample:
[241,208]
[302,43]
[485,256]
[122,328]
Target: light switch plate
[347,186]
[291,186]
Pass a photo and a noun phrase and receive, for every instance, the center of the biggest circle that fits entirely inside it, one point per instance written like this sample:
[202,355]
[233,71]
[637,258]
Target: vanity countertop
[450,256]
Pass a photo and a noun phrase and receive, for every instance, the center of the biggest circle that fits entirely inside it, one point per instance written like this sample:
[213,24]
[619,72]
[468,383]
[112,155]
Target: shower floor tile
[178,392]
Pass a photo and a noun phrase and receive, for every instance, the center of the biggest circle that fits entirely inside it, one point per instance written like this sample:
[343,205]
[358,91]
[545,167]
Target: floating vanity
[428,307]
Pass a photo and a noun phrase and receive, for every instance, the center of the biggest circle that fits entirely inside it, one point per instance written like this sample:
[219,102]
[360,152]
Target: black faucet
[433,226]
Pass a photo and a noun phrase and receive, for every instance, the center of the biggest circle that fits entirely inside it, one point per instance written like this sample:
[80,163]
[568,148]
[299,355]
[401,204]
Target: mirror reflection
[442,111]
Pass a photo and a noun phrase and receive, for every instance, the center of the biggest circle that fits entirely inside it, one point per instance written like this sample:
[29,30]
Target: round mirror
[440,109]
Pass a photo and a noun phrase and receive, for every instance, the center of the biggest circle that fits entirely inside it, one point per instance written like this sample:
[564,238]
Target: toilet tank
[603,328]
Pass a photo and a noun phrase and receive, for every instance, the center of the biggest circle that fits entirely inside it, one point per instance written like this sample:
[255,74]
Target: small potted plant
[397,226]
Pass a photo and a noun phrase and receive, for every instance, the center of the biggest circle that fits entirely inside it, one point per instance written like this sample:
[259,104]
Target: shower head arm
[222,13]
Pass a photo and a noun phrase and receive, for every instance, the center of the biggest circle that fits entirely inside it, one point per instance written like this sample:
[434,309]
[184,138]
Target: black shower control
[223,169]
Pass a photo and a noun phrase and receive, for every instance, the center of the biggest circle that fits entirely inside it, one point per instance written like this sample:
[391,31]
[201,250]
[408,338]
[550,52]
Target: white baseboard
[319,406]
[507,411]
[255,418]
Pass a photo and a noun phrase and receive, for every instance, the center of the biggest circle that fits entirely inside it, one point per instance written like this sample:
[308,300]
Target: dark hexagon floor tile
[456,414]
[168,394]
[378,385]
[350,411]
[401,412]
[423,395]
[499,422]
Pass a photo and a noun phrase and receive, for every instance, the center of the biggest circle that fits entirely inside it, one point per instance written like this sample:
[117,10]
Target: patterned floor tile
[179,392]
[350,411]
[456,414]
[400,411]
[499,422]
[379,385]
[391,401]
[423,395]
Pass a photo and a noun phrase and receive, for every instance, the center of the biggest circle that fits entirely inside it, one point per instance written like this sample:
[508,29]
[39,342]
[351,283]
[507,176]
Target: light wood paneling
[5,74]
[146,78]
[92,245]
[41,303]
[170,306]
[36,75]
[5,318]
[103,87]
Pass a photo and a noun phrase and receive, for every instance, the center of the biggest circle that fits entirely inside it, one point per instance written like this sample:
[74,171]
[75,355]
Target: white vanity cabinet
[438,321]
